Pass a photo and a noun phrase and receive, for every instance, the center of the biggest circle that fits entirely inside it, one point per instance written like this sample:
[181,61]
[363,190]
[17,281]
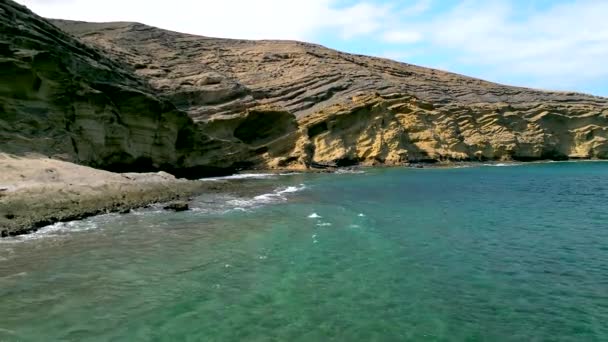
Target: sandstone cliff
[130,97]
[350,109]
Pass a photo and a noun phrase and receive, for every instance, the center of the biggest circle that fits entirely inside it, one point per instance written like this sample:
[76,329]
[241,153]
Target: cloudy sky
[548,44]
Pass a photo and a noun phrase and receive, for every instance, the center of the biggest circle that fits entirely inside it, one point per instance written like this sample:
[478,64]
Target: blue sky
[560,45]
[557,45]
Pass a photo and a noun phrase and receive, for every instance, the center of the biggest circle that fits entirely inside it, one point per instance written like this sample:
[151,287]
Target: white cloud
[360,19]
[418,7]
[402,37]
[562,47]
[226,18]
[260,19]
[397,55]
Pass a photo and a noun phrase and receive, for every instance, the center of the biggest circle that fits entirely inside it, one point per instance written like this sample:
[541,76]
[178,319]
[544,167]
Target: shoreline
[413,165]
[37,191]
[461,164]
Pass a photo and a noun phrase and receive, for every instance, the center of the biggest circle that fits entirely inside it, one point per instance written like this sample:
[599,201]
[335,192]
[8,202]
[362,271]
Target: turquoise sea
[484,253]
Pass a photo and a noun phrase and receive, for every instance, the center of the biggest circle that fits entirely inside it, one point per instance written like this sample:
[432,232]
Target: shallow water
[516,253]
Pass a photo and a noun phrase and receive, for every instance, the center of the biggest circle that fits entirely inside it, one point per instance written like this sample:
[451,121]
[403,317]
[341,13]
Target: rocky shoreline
[37,191]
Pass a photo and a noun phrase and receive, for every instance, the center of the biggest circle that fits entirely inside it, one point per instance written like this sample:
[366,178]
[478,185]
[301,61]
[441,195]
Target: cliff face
[62,98]
[399,128]
[130,97]
[350,109]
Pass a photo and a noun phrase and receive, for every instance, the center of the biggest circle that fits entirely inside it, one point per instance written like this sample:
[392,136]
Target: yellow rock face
[378,130]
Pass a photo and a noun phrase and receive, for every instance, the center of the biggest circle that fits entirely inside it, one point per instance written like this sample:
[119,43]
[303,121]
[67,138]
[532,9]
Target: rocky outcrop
[394,129]
[350,109]
[62,98]
[177,206]
[36,191]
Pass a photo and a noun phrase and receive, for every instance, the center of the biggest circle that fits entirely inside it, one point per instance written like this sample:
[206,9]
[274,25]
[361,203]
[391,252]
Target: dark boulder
[177,206]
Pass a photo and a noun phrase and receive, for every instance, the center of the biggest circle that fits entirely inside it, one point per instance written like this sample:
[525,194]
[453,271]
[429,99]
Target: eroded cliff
[350,109]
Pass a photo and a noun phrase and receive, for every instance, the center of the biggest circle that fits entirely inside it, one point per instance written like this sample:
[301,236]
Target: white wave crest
[292,189]
[278,195]
[241,176]
[349,171]
[56,229]
[502,164]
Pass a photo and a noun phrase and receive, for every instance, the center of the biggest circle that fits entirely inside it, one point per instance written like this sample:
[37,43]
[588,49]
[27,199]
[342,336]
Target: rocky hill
[350,109]
[130,97]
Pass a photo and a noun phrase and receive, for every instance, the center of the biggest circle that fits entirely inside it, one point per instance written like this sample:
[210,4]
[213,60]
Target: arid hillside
[351,109]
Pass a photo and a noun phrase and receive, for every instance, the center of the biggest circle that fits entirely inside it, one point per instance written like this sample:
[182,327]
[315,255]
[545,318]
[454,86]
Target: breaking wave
[242,176]
[277,195]
[250,176]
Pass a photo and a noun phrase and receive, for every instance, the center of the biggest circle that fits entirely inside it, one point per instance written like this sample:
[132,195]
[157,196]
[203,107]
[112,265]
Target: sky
[546,44]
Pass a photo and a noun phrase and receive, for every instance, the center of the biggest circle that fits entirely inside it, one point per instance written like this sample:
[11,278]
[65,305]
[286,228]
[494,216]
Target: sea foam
[57,229]
[349,171]
[502,164]
[241,176]
[278,195]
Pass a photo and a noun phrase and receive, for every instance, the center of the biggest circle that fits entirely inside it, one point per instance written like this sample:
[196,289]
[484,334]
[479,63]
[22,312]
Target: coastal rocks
[76,192]
[177,206]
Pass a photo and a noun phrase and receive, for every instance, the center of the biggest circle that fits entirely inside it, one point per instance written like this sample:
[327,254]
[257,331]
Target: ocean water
[514,253]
